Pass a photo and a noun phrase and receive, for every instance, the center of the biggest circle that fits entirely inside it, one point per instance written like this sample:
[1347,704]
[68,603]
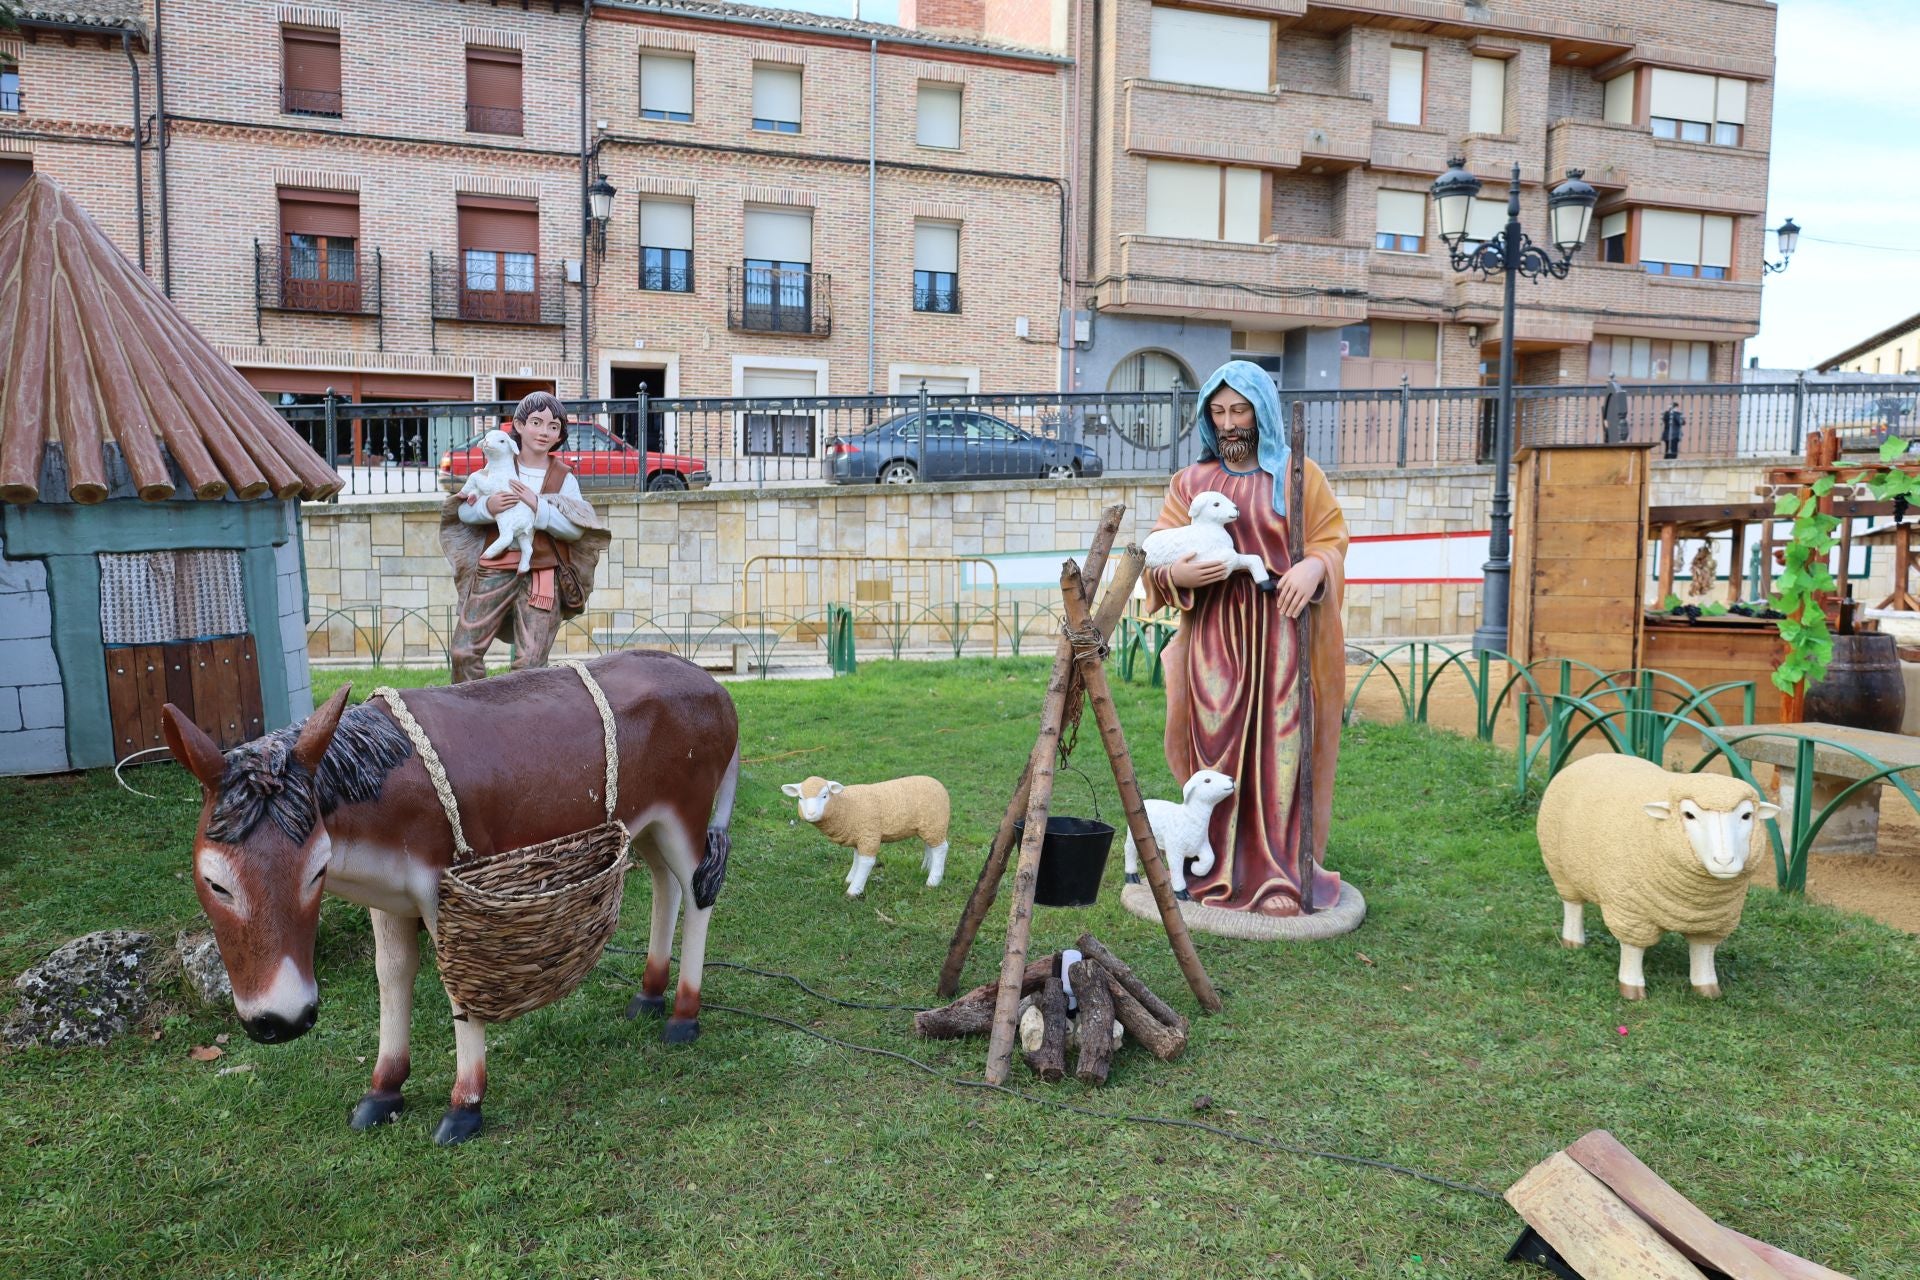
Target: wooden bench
[1855,826]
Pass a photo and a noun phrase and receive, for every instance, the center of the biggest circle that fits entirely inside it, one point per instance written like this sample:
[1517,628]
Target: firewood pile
[1108,997]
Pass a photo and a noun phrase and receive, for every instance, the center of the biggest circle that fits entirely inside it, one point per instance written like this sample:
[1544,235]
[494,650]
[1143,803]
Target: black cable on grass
[963,1082]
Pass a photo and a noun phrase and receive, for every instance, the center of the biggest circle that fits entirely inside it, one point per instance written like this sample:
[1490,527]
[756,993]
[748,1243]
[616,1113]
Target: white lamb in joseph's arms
[516,522]
[1207,540]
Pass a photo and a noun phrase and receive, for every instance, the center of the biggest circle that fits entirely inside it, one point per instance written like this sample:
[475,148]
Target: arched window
[1149,426]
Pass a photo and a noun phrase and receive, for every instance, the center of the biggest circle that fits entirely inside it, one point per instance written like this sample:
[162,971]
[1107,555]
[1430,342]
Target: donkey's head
[260,861]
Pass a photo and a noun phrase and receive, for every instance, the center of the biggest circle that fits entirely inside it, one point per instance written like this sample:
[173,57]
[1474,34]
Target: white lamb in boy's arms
[1207,540]
[516,523]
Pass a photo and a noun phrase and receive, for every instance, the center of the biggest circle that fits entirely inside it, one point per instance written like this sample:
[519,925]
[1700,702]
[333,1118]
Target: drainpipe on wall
[873,94]
[160,138]
[586,216]
[139,163]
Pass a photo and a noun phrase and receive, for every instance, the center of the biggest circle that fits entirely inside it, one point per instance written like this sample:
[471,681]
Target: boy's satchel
[567,590]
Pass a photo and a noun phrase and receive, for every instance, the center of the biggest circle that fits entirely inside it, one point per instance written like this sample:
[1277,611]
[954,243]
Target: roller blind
[666,83]
[493,78]
[666,224]
[1669,236]
[1406,85]
[1404,213]
[1485,220]
[1716,241]
[1619,100]
[936,246]
[778,384]
[312,59]
[1191,47]
[779,236]
[1614,224]
[1243,206]
[1731,103]
[492,222]
[1487,112]
[318,213]
[939,115]
[1183,200]
[1680,95]
[776,93]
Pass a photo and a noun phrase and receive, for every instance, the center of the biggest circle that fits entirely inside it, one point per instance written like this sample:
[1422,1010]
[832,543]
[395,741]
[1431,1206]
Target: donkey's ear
[316,735]
[192,747]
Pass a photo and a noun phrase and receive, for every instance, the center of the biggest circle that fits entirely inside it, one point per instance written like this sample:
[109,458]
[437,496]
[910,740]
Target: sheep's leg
[936,863]
[1257,570]
[526,551]
[1133,860]
[1176,869]
[1203,861]
[867,855]
[498,545]
[1633,977]
[1573,924]
[1700,965]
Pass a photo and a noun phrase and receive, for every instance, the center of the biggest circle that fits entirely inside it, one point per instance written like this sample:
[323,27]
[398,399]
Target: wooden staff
[1302,652]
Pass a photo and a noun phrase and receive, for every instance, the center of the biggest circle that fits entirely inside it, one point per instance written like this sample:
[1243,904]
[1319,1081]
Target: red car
[599,459]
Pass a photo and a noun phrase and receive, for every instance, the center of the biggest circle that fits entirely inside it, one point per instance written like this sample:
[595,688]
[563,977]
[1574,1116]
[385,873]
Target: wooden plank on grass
[1592,1228]
[1684,1224]
[1789,1265]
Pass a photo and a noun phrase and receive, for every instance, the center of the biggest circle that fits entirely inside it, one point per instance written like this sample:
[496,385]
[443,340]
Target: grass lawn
[1451,1034]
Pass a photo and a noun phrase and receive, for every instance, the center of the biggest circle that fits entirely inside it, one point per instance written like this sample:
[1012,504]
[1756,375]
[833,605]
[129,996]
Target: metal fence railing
[654,443]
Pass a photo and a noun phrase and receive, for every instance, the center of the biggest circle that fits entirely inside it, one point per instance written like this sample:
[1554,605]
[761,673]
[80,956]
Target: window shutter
[936,246]
[1488,110]
[1716,241]
[14,172]
[939,115]
[1620,99]
[1614,224]
[666,224]
[319,213]
[1406,86]
[1190,47]
[1731,103]
[1485,220]
[779,236]
[1681,95]
[1669,236]
[776,93]
[778,384]
[1183,200]
[666,84]
[1403,213]
[312,59]
[1243,206]
[493,78]
[493,222]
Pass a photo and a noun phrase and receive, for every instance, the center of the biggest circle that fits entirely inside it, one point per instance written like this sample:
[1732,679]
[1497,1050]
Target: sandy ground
[1884,885]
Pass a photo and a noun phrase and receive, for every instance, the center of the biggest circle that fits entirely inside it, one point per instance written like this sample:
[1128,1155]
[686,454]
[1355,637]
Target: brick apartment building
[386,197]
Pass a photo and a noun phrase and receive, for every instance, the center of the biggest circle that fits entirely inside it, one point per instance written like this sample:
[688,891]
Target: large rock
[87,992]
[206,972]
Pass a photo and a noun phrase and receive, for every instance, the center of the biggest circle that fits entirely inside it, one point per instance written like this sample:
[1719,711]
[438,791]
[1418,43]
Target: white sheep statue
[1207,540]
[516,522]
[863,818]
[1657,851]
[1181,829]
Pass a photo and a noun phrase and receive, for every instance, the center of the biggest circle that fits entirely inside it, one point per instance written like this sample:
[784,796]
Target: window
[499,259]
[939,116]
[1148,425]
[1613,237]
[319,250]
[310,79]
[1401,225]
[1487,109]
[936,266]
[1399,340]
[666,246]
[1693,245]
[775,431]
[1694,108]
[776,98]
[1648,359]
[1187,46]
[1406,86]
[493,91]
[14,172]
[777,274]
[1203,202]
[666,87]
[9,87]
[1620,105]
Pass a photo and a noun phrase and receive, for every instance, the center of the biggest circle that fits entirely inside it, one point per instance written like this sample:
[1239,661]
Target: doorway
[626,382]
[513,390]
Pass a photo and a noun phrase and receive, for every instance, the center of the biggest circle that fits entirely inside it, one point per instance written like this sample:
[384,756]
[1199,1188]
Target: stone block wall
[33,711]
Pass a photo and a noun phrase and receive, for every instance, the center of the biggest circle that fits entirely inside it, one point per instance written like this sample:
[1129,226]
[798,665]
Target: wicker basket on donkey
[523,927]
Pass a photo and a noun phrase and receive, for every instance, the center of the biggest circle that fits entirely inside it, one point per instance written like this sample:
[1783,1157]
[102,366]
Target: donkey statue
[343,803]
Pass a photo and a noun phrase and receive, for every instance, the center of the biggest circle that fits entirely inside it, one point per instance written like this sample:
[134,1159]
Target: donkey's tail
[712,871]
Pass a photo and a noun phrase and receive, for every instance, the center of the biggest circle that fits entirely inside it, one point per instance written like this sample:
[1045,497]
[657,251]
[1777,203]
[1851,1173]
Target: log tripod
[1077,669]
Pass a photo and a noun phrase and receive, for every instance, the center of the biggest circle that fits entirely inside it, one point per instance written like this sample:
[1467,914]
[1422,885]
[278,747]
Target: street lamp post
[1787,234]
[1511,254]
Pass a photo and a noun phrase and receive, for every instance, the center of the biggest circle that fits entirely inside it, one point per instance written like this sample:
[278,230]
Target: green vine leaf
[1823,486]
[1892,449]
[1786,504]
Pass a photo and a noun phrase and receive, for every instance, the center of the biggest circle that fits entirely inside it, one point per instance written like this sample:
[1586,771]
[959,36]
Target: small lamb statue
[1658,851]
[1207,540]
[1181,829]
[863,818]
[516,522]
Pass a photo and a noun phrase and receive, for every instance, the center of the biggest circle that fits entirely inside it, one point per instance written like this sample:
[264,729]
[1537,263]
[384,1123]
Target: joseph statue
[1233,699]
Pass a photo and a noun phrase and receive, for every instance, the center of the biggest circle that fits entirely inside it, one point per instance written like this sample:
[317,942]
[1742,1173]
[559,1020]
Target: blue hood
[1256,384]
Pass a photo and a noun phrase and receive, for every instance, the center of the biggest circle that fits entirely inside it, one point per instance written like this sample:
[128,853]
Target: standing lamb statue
[863,818]
[1181,829]
[516,522]
[1207,540]
[1658,851]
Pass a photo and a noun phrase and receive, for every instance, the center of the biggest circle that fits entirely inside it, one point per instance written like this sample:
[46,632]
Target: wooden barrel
[1863,688]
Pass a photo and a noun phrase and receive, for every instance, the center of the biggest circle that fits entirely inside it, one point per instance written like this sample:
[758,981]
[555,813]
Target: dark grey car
[954,444]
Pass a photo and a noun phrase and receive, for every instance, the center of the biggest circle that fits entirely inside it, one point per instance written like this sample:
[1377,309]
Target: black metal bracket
[1532,1247]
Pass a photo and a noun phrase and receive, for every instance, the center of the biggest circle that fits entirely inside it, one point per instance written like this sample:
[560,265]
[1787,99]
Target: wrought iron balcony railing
[310,102]
[507,120]
[330,282]
[778,300]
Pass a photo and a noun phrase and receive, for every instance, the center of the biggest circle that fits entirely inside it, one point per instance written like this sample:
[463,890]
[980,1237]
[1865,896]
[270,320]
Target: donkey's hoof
[459,1124]
[682,1030]
[376,1109]
[1133,877]
[650,1006]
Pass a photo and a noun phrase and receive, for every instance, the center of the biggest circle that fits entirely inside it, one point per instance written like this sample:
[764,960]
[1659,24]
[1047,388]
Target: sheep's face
[1721,839]
[813,795]
[1208,787]
[497,444]
[1213,508]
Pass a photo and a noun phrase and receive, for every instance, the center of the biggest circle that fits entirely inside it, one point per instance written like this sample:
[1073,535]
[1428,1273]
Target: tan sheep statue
[863,818]
[1657,851]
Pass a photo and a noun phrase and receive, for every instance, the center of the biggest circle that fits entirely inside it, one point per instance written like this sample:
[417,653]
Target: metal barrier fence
[655,444]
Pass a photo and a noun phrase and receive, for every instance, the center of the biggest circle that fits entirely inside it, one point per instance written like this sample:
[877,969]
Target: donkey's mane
[263,780]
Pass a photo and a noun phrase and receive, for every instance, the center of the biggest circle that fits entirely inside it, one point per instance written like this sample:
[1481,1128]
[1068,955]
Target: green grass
[1451,1034]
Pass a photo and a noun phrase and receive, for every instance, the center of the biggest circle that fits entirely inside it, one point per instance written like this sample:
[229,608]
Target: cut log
[972,1013]
[1685,1226]
[1600,1237]
[1162,1041]
[1117,969]
[1095,1022]
[1049,1061]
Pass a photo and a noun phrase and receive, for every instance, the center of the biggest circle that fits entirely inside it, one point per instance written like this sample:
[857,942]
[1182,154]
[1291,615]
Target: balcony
[343,284]
[1594,291]
[510,121]
[1410,148]
[1650,170]
[1493,155]
[1319,282]
[775,300]
[1226,126]
[310,102]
